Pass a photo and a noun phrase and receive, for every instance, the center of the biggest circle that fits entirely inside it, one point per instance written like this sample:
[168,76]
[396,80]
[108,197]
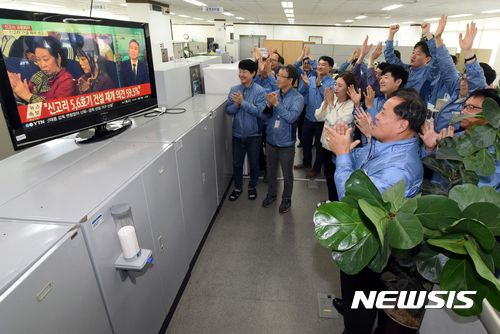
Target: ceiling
[310,12]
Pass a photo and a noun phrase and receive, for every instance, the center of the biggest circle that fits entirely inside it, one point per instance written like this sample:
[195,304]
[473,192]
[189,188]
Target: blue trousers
[312,131]
[241,147]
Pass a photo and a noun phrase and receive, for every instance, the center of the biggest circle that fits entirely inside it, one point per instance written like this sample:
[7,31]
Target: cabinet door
[223,149]
[291,51]
[278,43]
[209,176]
[161,186]
[134,300]
[59,294]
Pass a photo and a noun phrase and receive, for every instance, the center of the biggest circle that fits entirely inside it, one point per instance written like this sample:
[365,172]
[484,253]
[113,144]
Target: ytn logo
[380,299]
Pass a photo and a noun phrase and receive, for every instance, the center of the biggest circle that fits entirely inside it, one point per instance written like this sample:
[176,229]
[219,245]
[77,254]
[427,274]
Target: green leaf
[482,211]
[493,296]
[477,229]
[395,195]
[485,162]
[495,253]
[353,260]
[458,118]
[360,186]
[451,242]
[432,233]
[485,256]
[466,194]
[339,226]
[430,262]
[409,206]
[497,150]
[350,201]
[445,223]
[405,231]
[469,177]
[379,261]
[432,188]
[470,163]
[449,153]
[481,267]
[459,274]
[378,217]
[432,209]
[439,166]
[483,135]
[491,111]
[465,147]
[491,195]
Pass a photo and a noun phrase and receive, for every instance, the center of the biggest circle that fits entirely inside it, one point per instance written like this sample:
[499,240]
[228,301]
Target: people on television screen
[133,71]
[95,78]
[52,81]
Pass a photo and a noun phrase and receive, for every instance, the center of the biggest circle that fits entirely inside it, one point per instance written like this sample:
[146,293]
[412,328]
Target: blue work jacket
[300,71]
[315,95]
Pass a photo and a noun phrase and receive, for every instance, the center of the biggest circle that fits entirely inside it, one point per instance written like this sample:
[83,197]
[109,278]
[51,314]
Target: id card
[277,124]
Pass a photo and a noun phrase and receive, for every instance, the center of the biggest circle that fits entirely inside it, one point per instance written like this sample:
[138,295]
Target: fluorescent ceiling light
[196,3]
[239,18]
[289,15]
[123,4]
[392,7]
[227,14]
[288,11]
[172,13]
[360,17]
[45,4]
[197,18]
[286,4]
[251,22]
[460,15]
[349,21]
[409,22]
[491,11]
[183,16]
[433,19]
[210,21]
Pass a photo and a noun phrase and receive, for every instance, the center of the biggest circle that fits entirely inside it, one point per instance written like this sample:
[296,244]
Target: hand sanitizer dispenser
[132,257]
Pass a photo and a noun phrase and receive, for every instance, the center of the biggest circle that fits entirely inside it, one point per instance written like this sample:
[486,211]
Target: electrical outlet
[160,242]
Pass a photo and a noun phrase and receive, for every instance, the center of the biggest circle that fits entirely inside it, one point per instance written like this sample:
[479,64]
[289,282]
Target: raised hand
[392,31]
[354,95]
[305,79]
[307,50]
[339,138]
[257,54]
[429,135]
[376,52]
[329,96]
[441,26]
[468,39]
[369,97]
[237,98]
[426,29]
[365,49]
[364,121]
[355,54]
[272,99]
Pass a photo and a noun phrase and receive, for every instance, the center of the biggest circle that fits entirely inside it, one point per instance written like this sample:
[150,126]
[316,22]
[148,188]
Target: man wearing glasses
[282,112]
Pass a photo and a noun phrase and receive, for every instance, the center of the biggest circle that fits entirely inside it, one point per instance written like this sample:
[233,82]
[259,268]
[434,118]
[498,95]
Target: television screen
[60,74]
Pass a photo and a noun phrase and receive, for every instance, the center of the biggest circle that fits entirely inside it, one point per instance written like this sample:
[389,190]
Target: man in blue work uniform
[314,92]
[246,102]
[393,157]
[282,110]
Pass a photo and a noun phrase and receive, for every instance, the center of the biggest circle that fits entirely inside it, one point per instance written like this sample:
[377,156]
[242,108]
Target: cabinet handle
[49,285]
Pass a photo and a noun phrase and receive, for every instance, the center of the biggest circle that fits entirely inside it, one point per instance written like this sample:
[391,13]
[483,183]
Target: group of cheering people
[52,80]
[387,105]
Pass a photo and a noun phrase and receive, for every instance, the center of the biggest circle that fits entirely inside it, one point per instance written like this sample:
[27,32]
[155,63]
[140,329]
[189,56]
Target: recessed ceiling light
[251,22]
[45,4]
[392,7]
[288,11]
[409,22]
[360,17]
[286,4]
[172,13]
[433,19]
[183,15]
[196,3]
[239,18]
[349,21]
[197,18]
[491,11]
[289,15]
[123,4]
[210,21]
[460,15]
[227,14]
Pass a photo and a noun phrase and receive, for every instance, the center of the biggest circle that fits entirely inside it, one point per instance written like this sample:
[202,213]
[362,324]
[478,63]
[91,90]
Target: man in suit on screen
[133,71]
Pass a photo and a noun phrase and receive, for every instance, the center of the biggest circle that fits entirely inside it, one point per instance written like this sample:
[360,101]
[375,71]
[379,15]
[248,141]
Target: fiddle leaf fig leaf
[470,163]
[437,165]
[409,206]
[458,118]
[360,186]
[482,211]
[484,135]
[449,153]
[395,195]
[432,233]
[497,150]
[432,188]
[469,177]
[495,253]
[485,162]
[459,274]
[339,226]
[432,209]
[451,242]
[477,229]
[465,147]
[481,267]
[353,260]
[379,261]
[405,231]
[491,112]
[430,262]
[378,217]
[491,195]
[466,194]
[350,201]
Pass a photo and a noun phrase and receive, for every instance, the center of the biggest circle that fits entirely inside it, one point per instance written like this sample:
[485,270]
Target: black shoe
[252,194]
[234,195]
[337,303]
[286,203]
[270,198]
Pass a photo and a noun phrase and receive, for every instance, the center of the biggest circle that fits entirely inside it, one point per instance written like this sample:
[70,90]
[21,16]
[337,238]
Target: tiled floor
[261,271]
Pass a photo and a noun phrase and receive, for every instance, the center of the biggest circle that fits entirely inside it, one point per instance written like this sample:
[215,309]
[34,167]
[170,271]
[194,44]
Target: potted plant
[441,236]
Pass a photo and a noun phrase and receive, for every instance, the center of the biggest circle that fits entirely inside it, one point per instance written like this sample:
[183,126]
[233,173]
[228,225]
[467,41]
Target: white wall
[197,32]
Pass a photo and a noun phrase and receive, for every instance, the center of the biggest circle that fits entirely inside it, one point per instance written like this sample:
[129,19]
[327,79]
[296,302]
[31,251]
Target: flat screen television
[60,74]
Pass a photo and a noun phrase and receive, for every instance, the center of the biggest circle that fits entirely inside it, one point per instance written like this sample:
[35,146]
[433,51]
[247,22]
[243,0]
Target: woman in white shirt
[337,107]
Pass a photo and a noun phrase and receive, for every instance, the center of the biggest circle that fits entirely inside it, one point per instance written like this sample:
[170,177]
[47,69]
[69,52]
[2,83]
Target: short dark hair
[53,46]
[292,72]
[425,48]
[249,65]
[328,59]
[413,109]
[455,59]
[397,72]
[381,66]
[489,73]
[487,92]
[397,54]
